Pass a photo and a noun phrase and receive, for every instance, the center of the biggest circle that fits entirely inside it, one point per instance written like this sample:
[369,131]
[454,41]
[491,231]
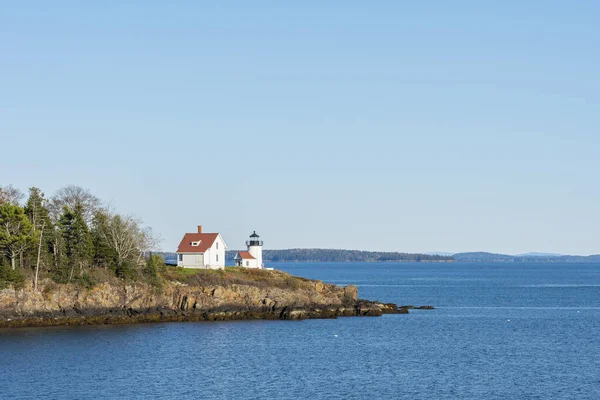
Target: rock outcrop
[120,302]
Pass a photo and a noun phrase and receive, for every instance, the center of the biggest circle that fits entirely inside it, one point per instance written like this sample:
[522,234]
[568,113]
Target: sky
[389,125]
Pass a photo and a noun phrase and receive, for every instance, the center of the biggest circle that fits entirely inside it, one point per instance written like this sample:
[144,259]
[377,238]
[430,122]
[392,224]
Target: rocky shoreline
[120,303]
[227,313]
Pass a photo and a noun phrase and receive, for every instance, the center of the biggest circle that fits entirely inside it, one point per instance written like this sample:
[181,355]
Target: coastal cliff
[202,296]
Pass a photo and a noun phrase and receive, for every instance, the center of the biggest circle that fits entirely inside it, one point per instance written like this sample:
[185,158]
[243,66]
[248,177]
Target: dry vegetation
[235,276]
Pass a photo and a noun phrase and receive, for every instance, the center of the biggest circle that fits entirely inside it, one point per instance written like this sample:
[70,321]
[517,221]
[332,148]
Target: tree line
[542,259]
[338,255]
[70,237]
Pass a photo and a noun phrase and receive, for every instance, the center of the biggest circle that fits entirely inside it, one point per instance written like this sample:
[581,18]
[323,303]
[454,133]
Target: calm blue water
[499,332]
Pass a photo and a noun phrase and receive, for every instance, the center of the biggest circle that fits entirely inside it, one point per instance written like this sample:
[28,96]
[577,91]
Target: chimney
[199,228]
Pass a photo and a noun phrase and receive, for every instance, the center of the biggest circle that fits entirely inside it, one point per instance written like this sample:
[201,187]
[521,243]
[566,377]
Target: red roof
[206,241]
[245,255]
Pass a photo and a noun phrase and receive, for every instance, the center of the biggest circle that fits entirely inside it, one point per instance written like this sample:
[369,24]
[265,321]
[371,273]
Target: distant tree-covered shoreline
[483,257]
[340,255]
[335,255]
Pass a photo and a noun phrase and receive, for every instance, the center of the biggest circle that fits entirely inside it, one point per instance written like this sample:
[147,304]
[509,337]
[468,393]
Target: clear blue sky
[390,125]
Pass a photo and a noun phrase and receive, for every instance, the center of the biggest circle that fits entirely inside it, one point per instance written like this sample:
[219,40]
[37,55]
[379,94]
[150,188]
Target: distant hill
[539,255]
[524,258]
[482,257]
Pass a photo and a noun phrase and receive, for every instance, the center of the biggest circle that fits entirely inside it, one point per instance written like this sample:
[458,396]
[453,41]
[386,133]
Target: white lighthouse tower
[253,257]
[255,249]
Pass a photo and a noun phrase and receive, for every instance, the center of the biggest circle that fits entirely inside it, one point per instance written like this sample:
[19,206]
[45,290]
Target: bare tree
[74,197]
[38,214]
[149,241]
[123,235]
[126,236]
[10,194]
[37,264]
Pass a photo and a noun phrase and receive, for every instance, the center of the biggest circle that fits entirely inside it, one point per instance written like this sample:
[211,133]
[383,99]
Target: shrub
[60,274]
[9,277]
[153,265]
[85,280]
[150,271]
[292,282]
[126,270]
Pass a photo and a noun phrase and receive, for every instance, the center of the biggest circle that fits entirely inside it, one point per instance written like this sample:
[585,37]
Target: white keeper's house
[253,257]
[201,250]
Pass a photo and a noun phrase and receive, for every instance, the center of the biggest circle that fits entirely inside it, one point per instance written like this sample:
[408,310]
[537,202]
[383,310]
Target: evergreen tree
[16,232]
[60,267]
[104,254]
[154,265]
[78,244]
[38,214]
[36,209]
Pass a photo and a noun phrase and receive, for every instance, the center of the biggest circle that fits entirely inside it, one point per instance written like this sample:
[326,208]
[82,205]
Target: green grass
[178,273]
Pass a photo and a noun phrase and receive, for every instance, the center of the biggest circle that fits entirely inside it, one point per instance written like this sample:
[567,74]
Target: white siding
[249,263]
[191,260]
[215,256]
[207,260]
[256,252]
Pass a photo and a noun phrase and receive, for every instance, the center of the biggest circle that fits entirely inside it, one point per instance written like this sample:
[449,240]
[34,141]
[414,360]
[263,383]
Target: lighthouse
[255,248]
[253,257]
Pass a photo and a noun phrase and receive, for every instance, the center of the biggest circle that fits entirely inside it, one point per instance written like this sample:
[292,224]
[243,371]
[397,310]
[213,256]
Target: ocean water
[499,331]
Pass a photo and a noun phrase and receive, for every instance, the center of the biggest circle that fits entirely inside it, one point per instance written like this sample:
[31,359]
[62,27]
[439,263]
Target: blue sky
[403,126]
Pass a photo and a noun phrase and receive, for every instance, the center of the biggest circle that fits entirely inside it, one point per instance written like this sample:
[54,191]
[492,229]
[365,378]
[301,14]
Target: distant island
[524,258]
[332,255]
[337,255]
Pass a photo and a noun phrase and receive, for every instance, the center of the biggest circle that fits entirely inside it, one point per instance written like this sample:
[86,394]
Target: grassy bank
[235,276]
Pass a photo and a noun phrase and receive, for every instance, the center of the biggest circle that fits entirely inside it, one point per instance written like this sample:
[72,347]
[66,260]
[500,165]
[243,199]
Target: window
[217,245]
[181,257]
[217,258]
[247,263]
